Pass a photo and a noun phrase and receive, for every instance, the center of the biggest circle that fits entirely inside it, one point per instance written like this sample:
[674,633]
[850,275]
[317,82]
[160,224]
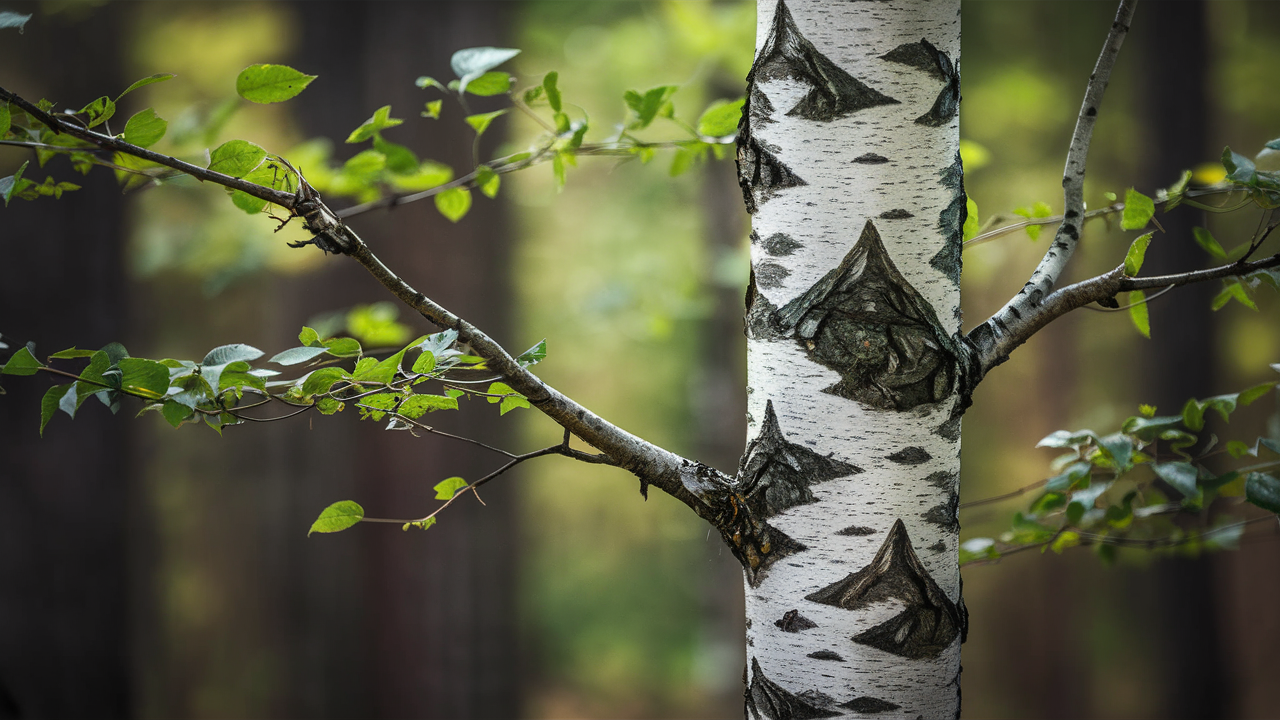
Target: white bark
[836,193]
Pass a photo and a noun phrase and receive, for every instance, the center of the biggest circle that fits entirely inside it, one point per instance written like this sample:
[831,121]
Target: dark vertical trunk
[1179,362]
[64,649]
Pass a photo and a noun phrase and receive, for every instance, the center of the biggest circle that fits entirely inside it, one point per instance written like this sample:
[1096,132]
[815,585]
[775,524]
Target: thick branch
[1021,308]
[1103,287]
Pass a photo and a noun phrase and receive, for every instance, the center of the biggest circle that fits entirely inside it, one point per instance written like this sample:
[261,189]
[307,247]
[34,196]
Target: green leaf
[13,183]
[975,549]
[336,517]
[433,109]
[236,158]
[1247,397]
[509,400]
[344,346]
[6,119]
[149,80]
[71,354]
[1139,311]
[320,381]
[1240,169]
[380,121]
[1238,449]
[378,403]
[309,336]
[376,324]
[13,20]
[480,122]
[454,203]
[488,181]
[971,225]
[383,372]
[1263,490]
[145,128]
[1138,209]
[22,363]
[1068,479]
[94,376]
[557,170]
[1181,475]
[1137,253]
[471,63]
[489,84]
[400,159]
[271,83]
[425,82]
[1205,239]
[225,354]
[99,111]
[553,92]
[1232,289]
[144,377]
[649,105]
[297,355]
[425,363]
[415,406]
[721,118]
[446,489]
[428,175]
[51,402]
[533,355]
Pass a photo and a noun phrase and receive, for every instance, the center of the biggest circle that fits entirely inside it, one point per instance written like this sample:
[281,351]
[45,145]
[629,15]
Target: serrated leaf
[13,20]
[553,92]
[415,406]
[1138,209]
[1205,240]
[472,63]
[22,363]
[533,355]
[237,352]
[454,203]
[1232,289]
[649,105]
[721,118]
[338,516]
[145,128]
[1139,312]
[1263,490]
[51,402]
[149,80]
[487,181]
[447,488]
[491,83]
[481,122]
[380,120]
[99,111]
[266,83]
[1137,253]
[144,377]
[236,158]
[297,355]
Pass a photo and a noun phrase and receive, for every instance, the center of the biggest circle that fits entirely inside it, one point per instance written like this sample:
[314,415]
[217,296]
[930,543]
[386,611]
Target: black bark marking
[896,214]
[951,222]
[770,275]
[778,244]
[793,622]
[920,55]
[943,479]
[787,54]
[766,700]
[911,456]
[762,315]
[775,474]
[947,103]
[945,515]
[856,531]
[871,159]
[761,109]
[760,170]
[930,622]
[938,547]
[825,655]
[866,322]
[867,705]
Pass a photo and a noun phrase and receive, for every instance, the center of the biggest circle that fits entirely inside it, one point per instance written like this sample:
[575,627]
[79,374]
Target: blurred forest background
[175,580]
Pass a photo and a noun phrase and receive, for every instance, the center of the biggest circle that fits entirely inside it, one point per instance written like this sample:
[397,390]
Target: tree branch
[700,487]
[1020,310]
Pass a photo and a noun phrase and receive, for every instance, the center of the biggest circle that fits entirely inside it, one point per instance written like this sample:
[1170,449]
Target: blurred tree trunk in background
[244,615]
[64,649]
[1179,362]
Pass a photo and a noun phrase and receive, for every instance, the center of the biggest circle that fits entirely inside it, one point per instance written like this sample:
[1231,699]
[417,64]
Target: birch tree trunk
[848,158]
